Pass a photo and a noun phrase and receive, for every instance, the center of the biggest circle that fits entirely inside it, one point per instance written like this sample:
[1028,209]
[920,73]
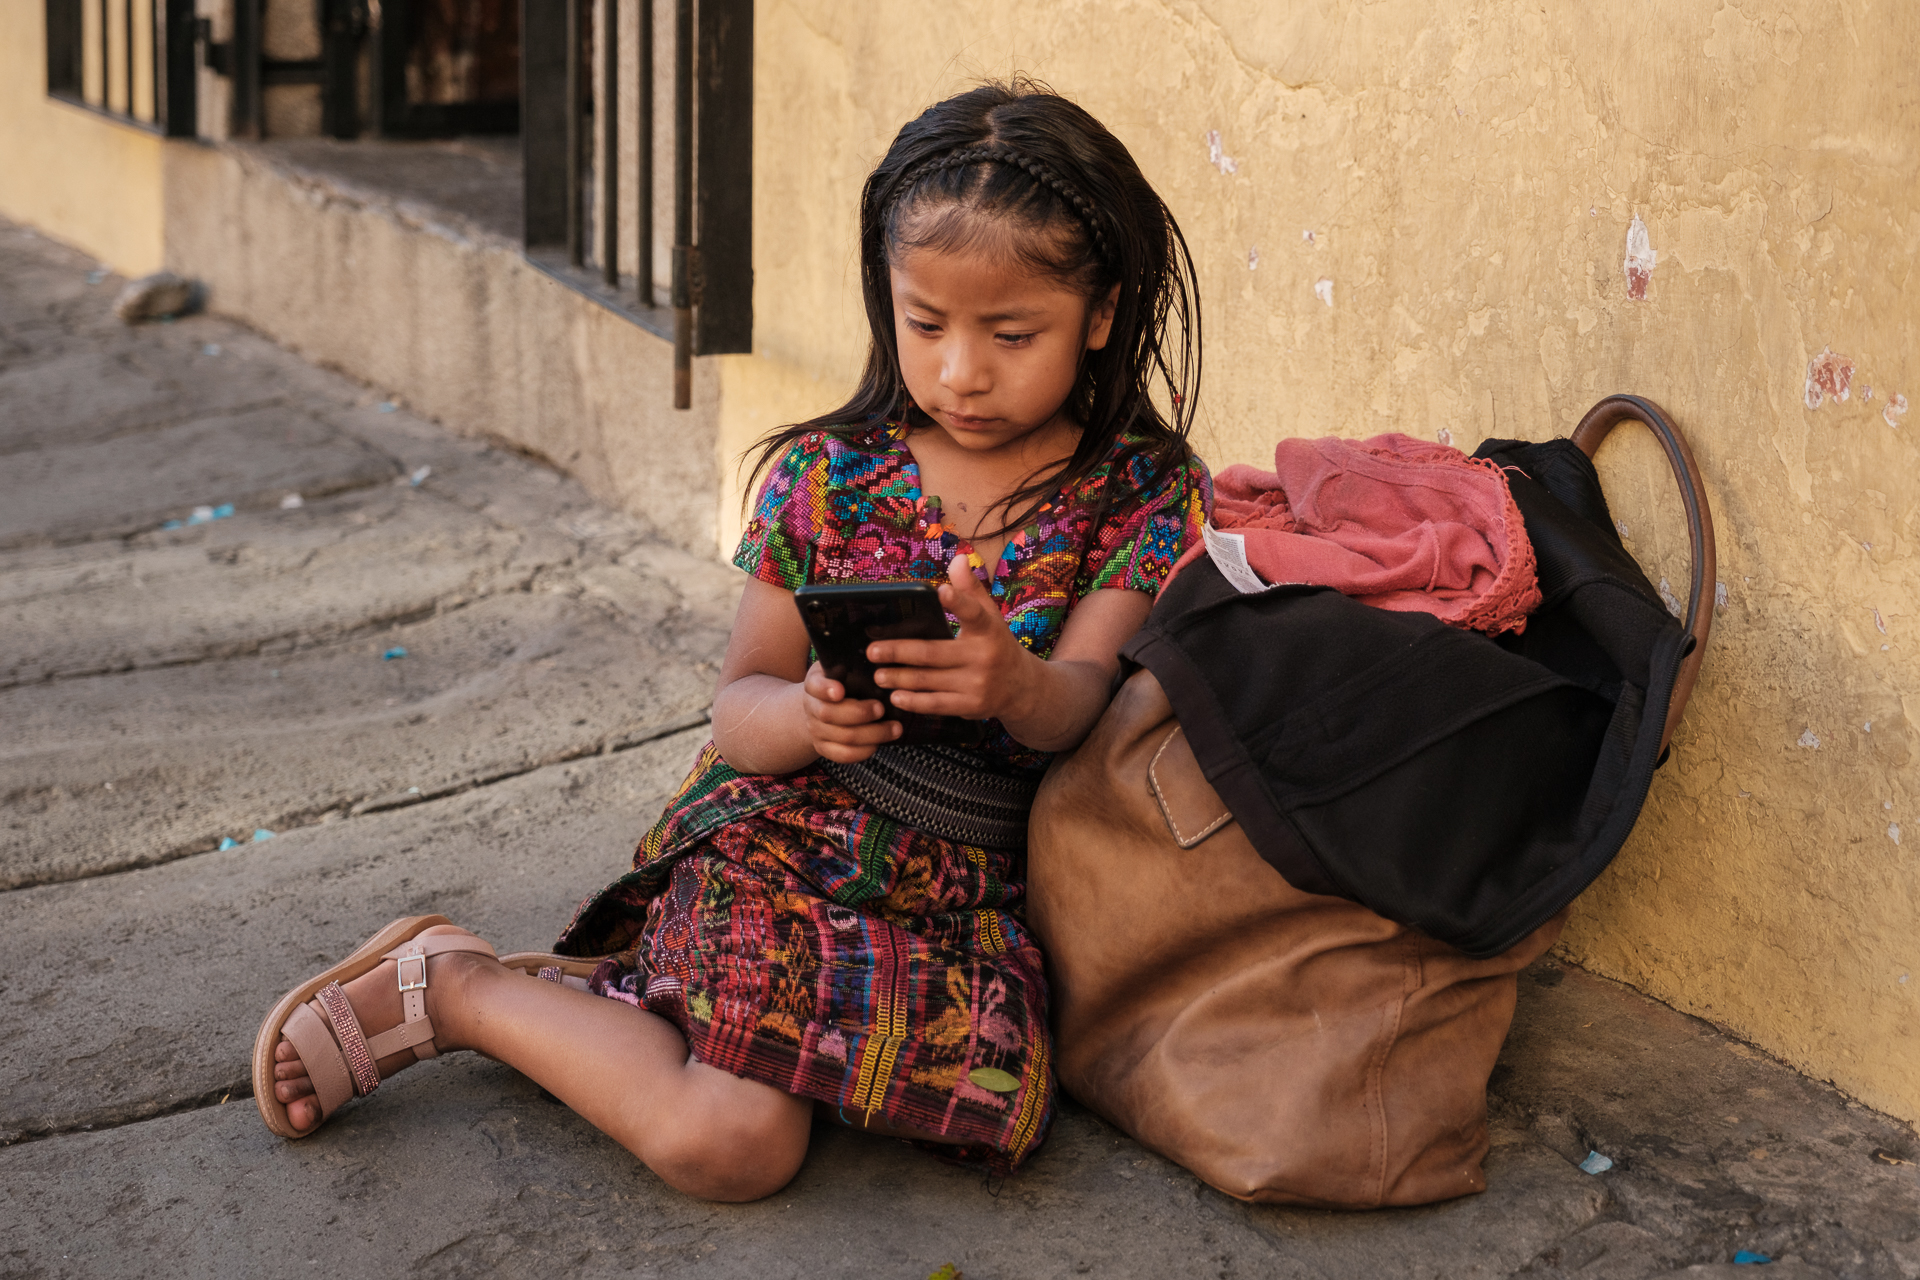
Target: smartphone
[843,618]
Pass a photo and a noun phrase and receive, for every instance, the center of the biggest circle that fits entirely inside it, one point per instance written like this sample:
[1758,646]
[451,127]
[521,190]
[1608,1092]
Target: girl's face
[989,350]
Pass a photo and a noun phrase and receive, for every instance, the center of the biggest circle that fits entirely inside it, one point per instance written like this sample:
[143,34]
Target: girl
[825,916]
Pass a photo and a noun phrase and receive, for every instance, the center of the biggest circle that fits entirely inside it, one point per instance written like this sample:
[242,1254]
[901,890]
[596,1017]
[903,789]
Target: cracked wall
[1418,219]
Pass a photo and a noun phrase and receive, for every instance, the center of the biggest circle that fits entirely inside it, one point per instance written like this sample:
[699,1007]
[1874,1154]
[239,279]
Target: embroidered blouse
[849,508]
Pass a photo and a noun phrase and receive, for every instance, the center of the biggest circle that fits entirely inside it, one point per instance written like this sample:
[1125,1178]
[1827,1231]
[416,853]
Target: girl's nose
[963,371]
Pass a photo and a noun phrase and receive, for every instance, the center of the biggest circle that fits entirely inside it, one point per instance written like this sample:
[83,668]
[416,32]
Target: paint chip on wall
[1217,155]
[1719,595]
[1641,257]
[1669,599]
[1323,290]
[1893,834]
[1808,739]
[1896,409]
[1829,377]
[1253,258]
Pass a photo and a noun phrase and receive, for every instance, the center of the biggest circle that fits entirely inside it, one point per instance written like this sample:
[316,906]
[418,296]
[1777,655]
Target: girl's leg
[705,1132]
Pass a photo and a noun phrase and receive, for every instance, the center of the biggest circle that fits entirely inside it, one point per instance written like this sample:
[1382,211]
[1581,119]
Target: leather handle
[1600,420]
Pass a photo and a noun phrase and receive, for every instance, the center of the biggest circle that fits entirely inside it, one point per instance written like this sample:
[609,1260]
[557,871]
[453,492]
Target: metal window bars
[390,33]
[569,162]
[93,61]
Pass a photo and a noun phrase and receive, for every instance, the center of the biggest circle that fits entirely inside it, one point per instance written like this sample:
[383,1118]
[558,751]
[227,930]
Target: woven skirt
[799,939]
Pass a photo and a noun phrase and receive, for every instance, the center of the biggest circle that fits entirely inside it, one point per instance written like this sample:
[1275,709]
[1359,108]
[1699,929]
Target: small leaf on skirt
[993,1078]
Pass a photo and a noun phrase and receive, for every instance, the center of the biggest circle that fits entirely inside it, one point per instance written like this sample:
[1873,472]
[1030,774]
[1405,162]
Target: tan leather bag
[1285,1047]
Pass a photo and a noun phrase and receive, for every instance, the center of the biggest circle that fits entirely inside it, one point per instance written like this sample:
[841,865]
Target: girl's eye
[921,326]
[1015,339]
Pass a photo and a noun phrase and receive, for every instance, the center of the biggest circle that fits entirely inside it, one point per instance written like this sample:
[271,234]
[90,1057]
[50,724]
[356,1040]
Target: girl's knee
[728,1162]
[745,1143]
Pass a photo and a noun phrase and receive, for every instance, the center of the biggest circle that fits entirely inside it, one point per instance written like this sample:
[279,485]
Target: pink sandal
[568,971]
[338,1055]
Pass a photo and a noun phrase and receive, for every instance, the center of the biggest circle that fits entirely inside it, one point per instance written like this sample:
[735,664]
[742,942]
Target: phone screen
[842,619]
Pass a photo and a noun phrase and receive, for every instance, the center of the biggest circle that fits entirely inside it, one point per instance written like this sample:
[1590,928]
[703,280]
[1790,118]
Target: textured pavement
[166,691]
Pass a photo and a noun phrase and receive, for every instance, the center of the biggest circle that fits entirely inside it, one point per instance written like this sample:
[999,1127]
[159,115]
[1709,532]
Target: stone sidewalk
[445,680]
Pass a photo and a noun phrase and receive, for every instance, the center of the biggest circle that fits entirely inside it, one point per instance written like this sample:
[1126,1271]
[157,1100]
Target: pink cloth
[1393,522]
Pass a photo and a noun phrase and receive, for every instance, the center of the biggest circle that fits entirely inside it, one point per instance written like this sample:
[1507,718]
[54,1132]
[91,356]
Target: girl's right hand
[843,729]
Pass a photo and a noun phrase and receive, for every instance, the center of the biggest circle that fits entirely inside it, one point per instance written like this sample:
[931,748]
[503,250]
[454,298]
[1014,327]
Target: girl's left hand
[981,674]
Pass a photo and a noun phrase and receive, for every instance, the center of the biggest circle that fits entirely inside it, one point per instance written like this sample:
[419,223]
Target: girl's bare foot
[376,1000]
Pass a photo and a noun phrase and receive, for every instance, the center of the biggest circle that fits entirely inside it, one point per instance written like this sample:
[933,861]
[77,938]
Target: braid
[999,153]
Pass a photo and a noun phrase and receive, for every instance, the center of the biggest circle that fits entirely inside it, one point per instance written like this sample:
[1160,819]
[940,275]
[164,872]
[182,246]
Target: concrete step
[129,770]
[78,398]
[280,579]
[128,995]
[539,1189]
[497,1181]
[47,301]
[113,488]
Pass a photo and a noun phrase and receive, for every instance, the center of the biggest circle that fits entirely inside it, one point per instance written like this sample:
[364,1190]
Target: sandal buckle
[421,984]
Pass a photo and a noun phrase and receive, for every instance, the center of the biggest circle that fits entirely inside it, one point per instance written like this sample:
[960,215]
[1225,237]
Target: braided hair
[998,153]
[1019,166]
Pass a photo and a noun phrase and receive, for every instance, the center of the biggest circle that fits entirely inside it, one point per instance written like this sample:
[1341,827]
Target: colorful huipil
[800,939]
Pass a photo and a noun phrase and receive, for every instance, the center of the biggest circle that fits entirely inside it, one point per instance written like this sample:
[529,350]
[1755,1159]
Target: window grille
[130,59]
[574,176]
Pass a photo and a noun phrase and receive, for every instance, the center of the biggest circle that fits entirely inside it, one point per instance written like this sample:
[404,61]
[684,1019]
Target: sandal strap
[332,1001]
[433,944]
[408,1035]
[416,1032]
[320,1054]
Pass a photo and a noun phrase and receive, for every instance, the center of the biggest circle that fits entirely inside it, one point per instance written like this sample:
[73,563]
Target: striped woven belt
[945,792]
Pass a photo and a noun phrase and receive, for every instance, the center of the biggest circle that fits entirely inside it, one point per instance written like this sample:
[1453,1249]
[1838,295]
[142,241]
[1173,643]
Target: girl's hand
[982,674]
[842,728]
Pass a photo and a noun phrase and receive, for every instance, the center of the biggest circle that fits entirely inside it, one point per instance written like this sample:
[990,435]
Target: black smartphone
[843,618]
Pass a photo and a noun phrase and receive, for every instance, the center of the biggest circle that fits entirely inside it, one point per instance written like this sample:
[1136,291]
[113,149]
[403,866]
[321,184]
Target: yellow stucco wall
[70,172]
[1468,173]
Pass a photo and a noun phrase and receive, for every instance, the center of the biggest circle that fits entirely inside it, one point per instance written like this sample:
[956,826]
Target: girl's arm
[1048,704]
[772,712]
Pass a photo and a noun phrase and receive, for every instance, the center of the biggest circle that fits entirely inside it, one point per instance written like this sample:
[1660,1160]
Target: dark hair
[1019,157]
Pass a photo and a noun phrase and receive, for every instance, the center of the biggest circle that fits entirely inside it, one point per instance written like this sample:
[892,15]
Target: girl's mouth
[967,420]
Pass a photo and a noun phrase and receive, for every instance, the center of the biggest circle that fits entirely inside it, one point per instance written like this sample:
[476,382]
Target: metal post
[723,178]
[609,113]
[183,100]
[545,114]
[248,121]
[343,24]
[683,259]
[106,56]
[126,62]
[66,50]
[643,264]
[576,213]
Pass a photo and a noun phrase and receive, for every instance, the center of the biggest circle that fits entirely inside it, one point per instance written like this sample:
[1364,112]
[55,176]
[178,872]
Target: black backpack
[1467,786]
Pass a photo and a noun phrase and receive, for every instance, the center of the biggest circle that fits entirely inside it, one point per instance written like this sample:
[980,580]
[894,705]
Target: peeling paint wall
[1476,219]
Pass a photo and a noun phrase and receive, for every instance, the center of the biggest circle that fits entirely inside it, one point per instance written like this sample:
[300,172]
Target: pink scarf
[1394,522]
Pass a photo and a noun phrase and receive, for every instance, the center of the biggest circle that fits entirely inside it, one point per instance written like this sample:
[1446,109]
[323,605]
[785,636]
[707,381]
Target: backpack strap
[1593,429]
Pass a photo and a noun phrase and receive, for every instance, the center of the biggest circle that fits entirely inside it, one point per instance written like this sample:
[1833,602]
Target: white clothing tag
[1229,552]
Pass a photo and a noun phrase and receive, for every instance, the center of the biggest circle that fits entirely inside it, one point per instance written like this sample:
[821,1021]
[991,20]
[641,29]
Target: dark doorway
[447,67]
[432,68]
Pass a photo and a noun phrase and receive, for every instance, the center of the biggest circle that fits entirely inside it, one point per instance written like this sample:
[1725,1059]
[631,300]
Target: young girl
[824,916]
